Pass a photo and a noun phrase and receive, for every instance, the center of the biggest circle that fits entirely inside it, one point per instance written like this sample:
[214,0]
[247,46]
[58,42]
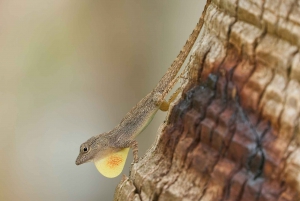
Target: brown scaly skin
[136,120]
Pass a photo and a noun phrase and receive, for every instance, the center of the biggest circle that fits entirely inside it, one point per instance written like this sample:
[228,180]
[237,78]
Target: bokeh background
[70,70]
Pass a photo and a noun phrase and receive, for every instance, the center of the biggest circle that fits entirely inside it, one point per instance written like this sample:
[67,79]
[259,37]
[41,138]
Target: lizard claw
[135,161]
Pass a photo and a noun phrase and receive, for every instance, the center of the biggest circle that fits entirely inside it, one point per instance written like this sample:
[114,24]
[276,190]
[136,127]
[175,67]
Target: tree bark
[234,134]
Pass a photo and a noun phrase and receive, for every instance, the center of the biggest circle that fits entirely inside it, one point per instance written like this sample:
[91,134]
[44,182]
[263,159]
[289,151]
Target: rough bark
[234,134]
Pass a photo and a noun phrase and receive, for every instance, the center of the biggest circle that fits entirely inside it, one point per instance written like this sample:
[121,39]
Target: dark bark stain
[227,134]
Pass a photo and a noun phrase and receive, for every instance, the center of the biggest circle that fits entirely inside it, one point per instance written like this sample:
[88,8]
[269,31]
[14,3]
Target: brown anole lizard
[109,150]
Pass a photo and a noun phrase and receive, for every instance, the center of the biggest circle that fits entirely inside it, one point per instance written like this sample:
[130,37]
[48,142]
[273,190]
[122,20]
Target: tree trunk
[234,134]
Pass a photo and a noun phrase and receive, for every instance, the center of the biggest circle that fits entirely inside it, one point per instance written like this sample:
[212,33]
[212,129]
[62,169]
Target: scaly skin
[136,120]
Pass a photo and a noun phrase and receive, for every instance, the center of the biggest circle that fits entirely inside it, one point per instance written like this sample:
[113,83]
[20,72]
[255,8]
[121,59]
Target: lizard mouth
[78,161]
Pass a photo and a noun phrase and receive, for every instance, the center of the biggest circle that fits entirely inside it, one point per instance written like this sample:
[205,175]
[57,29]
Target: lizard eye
[84,149]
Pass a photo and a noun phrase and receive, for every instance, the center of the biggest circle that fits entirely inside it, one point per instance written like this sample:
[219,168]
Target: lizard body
[109,150]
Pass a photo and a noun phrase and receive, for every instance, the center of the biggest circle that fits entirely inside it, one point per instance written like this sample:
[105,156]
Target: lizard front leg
[135,150]
[133,144]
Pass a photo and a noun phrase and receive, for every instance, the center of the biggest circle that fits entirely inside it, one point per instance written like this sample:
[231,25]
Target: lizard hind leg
[166,104]
[157,98]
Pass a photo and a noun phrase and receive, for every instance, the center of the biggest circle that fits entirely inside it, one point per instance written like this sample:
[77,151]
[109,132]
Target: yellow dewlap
[112,165]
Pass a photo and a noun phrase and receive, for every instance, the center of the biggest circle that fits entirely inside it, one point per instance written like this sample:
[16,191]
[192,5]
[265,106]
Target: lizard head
[108,160]
[92,148]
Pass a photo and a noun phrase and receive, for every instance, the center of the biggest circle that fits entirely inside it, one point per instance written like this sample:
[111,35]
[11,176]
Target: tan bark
[234,134]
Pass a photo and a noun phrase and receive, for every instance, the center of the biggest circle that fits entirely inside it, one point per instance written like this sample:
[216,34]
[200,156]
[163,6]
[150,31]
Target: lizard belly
[144,123]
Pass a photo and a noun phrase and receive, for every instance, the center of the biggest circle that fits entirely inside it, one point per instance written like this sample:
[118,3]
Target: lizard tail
[166,83]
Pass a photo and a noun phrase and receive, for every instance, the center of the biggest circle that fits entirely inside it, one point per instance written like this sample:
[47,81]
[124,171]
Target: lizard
[109,150]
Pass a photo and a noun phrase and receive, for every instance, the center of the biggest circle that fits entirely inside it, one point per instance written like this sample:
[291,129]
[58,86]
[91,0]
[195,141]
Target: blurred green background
[70,70]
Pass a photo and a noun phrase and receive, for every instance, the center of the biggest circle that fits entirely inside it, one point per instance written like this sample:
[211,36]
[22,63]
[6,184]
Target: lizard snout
[78,161]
